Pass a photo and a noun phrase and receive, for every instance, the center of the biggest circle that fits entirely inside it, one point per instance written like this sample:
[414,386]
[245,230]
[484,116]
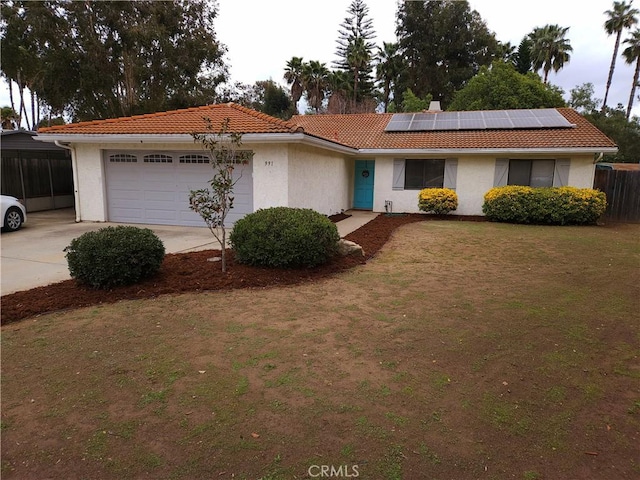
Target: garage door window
[123,158]
[194,159]
[158,158]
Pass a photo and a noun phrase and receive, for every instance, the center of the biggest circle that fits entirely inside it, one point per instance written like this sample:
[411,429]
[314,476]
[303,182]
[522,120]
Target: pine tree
[356,52]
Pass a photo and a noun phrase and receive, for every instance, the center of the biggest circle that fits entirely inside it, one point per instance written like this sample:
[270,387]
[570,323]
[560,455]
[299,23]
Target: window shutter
[561,173]
[450,173]
[501,173]
[398,174]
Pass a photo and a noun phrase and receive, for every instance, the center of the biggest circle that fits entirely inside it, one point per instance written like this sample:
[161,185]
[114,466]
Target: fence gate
[622,188]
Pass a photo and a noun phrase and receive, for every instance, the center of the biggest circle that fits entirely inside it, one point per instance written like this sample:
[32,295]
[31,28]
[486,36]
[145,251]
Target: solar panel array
[479,120]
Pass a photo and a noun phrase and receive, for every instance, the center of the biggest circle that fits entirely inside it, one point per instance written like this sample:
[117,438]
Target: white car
[13,213]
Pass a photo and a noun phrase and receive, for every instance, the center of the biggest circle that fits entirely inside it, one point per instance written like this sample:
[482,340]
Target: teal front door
[363,188]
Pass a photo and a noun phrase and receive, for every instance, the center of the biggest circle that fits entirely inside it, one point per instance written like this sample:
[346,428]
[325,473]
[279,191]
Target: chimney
[434,106]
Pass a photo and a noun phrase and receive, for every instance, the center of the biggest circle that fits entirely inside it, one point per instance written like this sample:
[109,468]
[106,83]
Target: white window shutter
[398,173]
[450,173]
[561,172]
[501,174]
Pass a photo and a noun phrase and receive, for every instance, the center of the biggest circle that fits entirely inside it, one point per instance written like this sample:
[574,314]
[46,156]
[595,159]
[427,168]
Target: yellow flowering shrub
[548,205]
[437,200]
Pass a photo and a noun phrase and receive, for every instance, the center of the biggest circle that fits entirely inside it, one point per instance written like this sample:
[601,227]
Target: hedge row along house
[140,169]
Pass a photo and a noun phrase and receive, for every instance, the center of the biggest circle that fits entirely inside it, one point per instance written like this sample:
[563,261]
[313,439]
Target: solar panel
[478,120]
[499,123]
[494,114]
[472,124]
[422,125]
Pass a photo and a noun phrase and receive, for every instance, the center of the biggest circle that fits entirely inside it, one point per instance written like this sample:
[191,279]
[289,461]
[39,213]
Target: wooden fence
[622,188]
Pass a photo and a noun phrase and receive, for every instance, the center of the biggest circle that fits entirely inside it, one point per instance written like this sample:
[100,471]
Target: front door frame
[363,184]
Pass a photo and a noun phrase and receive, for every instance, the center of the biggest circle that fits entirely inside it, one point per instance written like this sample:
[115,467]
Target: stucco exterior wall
[270,176]
[475,177]
[582,171]
[319,179]
[91,183]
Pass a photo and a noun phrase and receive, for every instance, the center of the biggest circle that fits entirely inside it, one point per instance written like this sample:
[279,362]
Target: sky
[272,32]
[261,36]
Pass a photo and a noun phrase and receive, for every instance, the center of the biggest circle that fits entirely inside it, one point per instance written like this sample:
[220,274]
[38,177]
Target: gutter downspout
[74,168]
[598,157]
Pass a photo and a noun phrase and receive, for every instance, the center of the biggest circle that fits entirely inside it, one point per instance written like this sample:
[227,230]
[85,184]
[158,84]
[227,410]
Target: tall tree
[632,54]
[388,67]
[355,50]
[621,17]
[549,48]
[502,87]
[105,59]
[315,77]
[339,86]
[293,75]
[444,44]
[522,57]
[28,32]
[582,99]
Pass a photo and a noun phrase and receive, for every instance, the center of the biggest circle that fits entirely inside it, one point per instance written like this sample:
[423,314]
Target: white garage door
[153,187]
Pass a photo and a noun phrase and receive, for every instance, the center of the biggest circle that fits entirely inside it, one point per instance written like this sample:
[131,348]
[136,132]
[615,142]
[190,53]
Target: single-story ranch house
[140,169]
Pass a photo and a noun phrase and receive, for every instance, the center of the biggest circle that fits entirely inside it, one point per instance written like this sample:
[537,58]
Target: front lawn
[463,350]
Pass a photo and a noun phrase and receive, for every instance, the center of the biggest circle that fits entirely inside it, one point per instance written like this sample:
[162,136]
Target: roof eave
[247,138]
[486,151]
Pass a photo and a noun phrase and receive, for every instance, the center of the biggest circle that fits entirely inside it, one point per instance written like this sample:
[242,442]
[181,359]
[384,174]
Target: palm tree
[549,49]
[632,54]
[293,76]
[9,118]
[622,16]
[315,82]
[387,69]
[339,84]
[358,58]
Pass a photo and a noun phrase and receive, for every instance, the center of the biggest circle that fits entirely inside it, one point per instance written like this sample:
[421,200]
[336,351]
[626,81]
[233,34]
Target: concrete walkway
[357,219]
[33,256]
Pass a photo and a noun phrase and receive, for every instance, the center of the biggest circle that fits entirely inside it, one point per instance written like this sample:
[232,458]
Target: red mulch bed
[189,272]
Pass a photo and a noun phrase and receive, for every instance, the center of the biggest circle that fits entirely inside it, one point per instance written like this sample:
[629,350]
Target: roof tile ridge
[293,127]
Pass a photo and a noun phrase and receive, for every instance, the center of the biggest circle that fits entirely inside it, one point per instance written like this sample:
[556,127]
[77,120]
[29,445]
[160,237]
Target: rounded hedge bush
[114,256]
[544,205]
[284,237]
[437,200]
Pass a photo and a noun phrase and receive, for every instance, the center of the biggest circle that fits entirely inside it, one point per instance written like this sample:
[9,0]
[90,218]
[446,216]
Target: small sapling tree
[213,204]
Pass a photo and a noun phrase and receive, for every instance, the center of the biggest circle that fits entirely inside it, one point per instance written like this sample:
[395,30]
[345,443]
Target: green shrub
[114,256]
[284,237]
[437,200]
[550,205]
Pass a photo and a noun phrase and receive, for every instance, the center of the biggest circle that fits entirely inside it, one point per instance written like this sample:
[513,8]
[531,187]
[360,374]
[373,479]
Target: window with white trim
[416,174]
[421,174]
[531,173]
[158,158]
[123,158]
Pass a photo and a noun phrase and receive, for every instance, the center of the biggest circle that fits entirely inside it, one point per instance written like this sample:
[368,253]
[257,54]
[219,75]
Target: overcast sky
[262,35]
[272,32]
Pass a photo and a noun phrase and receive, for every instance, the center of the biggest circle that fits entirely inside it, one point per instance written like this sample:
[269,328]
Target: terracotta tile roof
[366,131]
[186,121]
[360,131]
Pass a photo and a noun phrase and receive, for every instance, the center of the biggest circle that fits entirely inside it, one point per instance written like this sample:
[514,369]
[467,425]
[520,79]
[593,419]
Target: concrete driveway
[33,256]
